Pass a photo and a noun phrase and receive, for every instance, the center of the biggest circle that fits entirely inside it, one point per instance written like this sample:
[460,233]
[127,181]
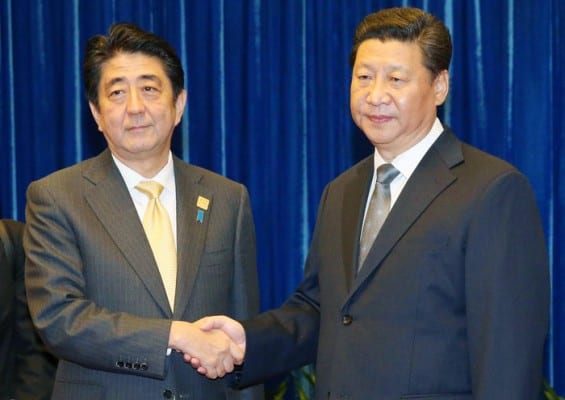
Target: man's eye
[149,89]
[397,80]
[116,92]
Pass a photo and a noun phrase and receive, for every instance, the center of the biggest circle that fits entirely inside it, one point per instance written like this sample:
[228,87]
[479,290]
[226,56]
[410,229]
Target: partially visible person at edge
[27,370]
[452,299]
[95,289]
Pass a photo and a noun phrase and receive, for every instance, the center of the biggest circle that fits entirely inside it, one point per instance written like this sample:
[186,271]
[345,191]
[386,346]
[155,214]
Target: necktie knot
[150,188]
[386,173]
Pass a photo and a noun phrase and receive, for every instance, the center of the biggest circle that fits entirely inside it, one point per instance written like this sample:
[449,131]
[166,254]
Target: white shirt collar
[165,177]
[407,162]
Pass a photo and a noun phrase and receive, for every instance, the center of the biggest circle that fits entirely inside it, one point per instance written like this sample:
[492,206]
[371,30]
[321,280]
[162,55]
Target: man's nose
[378,92]
[135,102]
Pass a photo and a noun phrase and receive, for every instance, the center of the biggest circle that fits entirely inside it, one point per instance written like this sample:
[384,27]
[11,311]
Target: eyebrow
[149,77]
[390,68]
[145,77]
[113,81]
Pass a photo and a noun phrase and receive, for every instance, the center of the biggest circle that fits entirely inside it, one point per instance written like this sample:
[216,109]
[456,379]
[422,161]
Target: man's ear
[180,103]
[441,87]
[96,114]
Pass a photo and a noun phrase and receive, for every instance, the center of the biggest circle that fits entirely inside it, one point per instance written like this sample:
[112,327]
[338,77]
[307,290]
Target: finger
[211,373]
[195,362]
[228,364]
[220,371]
[236,353]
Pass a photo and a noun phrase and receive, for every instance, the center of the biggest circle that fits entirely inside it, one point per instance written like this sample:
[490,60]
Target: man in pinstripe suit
[95,291]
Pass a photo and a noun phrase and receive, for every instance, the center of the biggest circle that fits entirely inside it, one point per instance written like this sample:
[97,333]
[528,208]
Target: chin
[379,136]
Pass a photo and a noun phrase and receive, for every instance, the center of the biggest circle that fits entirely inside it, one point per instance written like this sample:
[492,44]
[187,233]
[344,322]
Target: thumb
[211,322]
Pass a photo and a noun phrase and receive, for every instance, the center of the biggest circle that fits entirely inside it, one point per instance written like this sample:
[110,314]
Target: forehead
[390,52]
[132,66]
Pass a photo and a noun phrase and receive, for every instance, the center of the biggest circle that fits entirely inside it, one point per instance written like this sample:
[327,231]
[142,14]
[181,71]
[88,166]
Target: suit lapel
[191,229]
[430,178]
[110,200]
[354,200]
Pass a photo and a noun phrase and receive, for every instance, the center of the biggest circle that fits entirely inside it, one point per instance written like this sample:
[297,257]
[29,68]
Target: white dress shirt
[405,162]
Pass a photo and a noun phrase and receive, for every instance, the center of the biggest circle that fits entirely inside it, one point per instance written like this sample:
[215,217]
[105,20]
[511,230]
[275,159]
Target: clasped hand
[212,345]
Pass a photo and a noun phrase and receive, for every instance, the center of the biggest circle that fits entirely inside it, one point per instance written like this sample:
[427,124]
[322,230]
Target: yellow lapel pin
[202,203]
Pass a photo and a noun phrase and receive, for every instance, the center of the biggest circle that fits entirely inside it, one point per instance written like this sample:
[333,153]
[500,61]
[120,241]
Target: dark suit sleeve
[34,366]
[507,290]
[286,338]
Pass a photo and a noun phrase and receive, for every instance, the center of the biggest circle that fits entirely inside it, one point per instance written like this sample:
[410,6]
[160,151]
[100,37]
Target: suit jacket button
[167,394]
[347,320]
[129,364]
[120,364]
[143,366]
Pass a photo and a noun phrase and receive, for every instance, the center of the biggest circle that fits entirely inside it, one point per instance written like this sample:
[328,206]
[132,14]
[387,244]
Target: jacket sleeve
[507,290]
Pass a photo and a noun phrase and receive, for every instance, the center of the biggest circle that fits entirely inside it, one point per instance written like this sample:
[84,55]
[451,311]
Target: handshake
[212,345]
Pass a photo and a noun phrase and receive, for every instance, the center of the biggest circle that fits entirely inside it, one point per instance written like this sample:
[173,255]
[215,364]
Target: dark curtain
[268,84]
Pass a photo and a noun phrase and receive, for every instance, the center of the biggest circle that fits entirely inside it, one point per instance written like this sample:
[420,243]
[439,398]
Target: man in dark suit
[451,300]
[105,298]
[27,370]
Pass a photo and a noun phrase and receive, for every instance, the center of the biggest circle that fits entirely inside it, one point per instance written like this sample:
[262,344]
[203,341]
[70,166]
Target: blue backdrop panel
[268,85]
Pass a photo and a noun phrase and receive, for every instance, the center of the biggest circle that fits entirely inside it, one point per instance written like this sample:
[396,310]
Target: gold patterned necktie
[157,226]
[379,207]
